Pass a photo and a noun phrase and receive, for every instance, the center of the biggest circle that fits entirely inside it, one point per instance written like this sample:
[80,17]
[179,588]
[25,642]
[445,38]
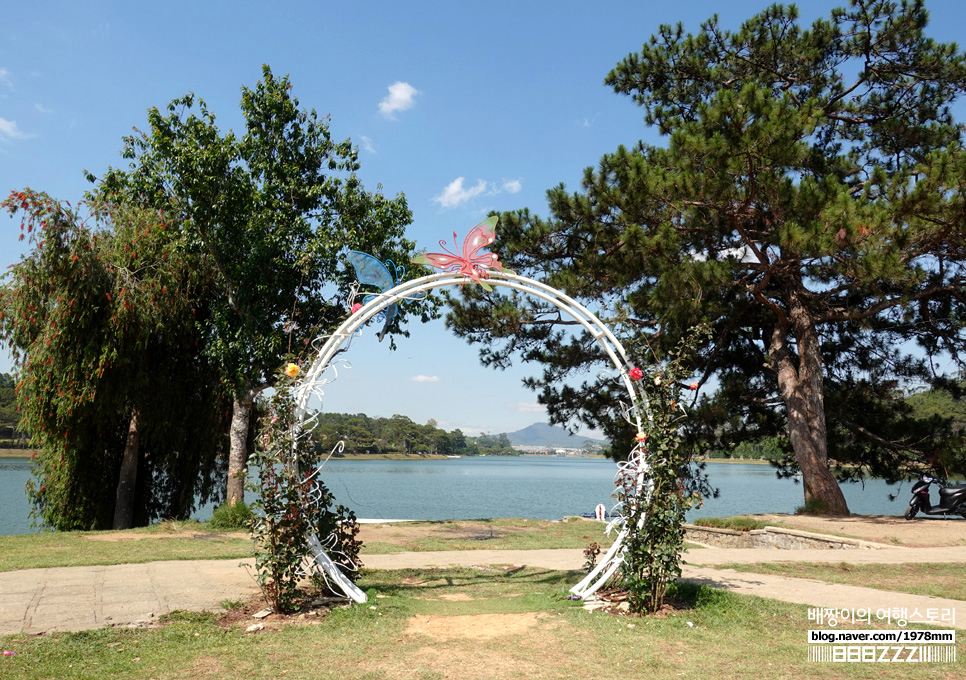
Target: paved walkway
[36,601]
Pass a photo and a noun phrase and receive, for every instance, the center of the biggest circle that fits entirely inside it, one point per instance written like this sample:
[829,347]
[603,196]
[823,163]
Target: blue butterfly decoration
[371,271]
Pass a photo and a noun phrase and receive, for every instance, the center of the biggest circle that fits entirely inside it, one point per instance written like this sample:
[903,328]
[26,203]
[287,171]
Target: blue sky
[464,107]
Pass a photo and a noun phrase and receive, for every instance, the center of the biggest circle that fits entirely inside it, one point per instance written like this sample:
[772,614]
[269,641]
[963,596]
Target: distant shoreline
[16,453]
[26,453]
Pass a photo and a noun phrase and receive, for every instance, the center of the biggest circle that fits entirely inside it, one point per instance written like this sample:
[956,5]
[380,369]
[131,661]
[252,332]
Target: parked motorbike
[952,499]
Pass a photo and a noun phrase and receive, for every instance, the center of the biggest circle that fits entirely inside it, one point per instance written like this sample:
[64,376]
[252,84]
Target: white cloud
[367,144]
[9,130]
[454,194]
[40,108]
[400,98]
[425,378]
[527,407]
[512,186]
[470,431]
[5,78]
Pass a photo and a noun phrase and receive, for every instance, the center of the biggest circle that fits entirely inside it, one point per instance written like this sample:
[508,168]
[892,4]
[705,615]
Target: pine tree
[807,202]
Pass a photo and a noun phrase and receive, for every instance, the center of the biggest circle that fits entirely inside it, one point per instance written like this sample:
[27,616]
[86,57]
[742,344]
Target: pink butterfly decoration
[471,263]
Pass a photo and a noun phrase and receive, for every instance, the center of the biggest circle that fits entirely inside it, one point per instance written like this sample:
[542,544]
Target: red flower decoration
[636,373]
[356,307]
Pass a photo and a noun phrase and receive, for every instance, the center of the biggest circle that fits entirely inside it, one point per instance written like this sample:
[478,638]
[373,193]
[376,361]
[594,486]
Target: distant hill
[541,434]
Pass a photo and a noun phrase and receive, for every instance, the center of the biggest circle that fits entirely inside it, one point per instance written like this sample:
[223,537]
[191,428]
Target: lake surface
[493,486]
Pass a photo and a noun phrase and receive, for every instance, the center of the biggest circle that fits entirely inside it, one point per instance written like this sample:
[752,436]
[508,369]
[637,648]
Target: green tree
[112,384]
[807,203]
[270,211]
[8,407]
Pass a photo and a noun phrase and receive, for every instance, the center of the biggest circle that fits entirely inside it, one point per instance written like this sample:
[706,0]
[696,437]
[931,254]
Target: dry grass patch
[457,597]
[115,536]
[475,627]
[495,534]
[205,668]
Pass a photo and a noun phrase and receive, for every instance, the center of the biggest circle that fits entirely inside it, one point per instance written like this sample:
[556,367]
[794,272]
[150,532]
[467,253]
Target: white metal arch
[313,380]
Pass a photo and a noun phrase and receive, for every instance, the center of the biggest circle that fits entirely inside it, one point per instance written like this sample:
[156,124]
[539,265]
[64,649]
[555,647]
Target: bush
[733,523]
[813,506]
[293,504]
[230,516]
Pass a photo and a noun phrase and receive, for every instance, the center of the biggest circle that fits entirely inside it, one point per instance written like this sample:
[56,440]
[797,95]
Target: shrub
[654,496]
[733,523]
[813,506]
[293,503]
[230,517]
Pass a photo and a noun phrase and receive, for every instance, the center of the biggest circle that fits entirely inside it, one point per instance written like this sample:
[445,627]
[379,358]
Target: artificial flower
[292,370]
[636,373]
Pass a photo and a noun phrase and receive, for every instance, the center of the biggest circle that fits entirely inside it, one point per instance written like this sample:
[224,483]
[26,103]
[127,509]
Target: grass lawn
[938,580]
[164,541]
[462,623]
[194,541]
[466,623]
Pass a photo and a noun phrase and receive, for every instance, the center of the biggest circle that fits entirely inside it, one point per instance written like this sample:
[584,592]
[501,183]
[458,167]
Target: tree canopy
[103,317]
[807,202]
[399,434]
[269,211]
[8,407]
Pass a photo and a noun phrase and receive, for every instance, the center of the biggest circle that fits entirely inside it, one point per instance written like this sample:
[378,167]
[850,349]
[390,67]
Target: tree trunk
[124,501]
[802,389]
[238,452]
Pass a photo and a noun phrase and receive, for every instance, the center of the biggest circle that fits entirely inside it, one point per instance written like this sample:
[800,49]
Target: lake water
[489,487]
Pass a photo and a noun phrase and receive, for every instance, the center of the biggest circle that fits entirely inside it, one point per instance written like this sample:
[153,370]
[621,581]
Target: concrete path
[80,598]
[36,601]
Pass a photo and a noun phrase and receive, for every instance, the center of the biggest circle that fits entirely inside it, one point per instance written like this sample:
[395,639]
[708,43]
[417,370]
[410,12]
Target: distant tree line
[9,436]
[363,434]
[944,408]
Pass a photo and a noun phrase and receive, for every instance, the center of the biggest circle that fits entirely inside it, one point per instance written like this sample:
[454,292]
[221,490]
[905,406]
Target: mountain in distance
[541,434]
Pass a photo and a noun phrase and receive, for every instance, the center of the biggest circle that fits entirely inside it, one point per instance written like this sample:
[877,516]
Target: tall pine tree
[807,202]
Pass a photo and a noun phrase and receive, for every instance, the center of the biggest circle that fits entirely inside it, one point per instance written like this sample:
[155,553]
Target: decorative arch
[635,468]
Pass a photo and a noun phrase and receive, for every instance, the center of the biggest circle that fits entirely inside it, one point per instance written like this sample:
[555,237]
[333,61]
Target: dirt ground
[919,532]
[401,533]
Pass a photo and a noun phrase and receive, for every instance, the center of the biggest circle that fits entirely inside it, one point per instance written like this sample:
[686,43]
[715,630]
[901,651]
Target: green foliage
[813,506]
[365,434]
[492,445]
[102,319]
[733,523]
[807,202]
[231,516]
[944,409]
[656,499]
[293,503]
[271,210]
[8,407]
